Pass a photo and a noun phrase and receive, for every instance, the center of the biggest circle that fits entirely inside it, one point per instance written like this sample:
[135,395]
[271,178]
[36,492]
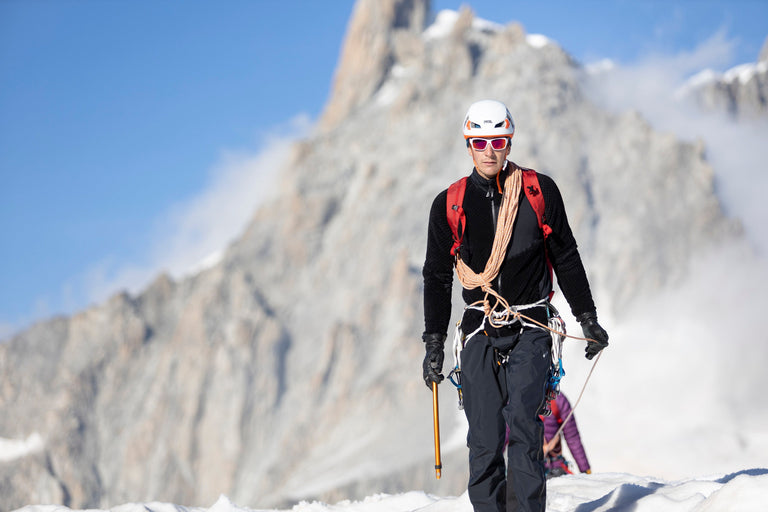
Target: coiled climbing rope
[467,277]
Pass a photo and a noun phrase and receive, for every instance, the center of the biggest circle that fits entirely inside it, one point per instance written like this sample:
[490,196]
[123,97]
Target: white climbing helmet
[488,118]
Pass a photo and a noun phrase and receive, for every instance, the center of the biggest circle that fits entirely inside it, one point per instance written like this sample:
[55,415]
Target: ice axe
[436,421]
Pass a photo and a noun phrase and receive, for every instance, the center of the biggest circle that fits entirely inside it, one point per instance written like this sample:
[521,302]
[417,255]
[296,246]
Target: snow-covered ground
[745,491]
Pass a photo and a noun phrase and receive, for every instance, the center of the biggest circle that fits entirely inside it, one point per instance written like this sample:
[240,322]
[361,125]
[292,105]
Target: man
[505,359]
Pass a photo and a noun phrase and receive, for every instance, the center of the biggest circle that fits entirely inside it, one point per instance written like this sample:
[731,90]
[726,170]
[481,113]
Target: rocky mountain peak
[369,51]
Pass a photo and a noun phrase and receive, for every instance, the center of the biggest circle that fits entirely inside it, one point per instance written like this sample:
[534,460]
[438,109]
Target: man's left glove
[433,360]
[593,331]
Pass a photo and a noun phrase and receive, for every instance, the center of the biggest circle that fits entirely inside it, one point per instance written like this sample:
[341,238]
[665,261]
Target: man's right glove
[433,360]
[593,331]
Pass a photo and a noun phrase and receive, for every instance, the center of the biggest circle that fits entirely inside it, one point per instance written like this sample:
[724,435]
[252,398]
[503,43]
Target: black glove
[593,331]
[433,360]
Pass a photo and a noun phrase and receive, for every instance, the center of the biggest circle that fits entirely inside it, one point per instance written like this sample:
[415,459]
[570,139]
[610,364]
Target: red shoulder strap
[536,198]
[455,211]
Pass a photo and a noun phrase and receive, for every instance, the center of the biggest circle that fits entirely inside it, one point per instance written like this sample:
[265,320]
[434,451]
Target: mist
[736,150]
[688,359]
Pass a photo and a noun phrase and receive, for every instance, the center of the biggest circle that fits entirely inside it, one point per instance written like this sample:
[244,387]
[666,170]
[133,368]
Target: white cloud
[707,325]
[649,84]
[735,150]
[193,233]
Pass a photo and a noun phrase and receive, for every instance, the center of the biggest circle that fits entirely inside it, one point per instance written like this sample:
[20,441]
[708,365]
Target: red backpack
[457,218]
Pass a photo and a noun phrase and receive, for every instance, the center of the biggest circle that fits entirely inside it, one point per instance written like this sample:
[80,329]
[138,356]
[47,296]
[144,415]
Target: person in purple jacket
[555,463]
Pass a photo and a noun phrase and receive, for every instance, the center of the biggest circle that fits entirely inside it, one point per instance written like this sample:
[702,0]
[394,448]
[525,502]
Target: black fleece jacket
[524,276]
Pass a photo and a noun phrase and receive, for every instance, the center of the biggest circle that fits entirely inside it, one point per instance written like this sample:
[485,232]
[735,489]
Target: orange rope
[467,277]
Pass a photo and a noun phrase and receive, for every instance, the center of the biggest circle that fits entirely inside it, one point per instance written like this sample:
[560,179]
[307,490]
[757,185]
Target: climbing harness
[505,318]
[556,328]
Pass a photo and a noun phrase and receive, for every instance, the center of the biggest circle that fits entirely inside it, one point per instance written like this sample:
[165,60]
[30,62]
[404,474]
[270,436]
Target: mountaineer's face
[488,155]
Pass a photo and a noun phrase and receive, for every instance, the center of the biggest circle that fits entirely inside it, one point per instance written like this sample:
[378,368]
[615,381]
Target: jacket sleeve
[563,251]
[438,269]
[572,436]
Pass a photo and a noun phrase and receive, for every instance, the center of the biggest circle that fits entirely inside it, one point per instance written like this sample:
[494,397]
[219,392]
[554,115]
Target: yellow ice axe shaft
[436,421]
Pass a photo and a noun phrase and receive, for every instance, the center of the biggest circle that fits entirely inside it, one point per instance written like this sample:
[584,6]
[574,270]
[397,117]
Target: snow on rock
[741,74]
[537,40]
[441,27]
[482,25]
[11,449]
[446,19]
[744,72]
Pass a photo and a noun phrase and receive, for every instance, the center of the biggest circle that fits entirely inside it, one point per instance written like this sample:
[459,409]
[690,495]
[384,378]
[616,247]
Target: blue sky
[127,126]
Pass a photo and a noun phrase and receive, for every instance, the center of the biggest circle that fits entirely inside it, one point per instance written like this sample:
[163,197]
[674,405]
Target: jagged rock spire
[764,52]
[368,51]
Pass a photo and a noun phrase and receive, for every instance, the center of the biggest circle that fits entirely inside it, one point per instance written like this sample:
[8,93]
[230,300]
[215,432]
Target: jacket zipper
[494,219]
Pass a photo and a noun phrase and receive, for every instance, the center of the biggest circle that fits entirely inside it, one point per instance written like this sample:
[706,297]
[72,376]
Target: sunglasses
[496,144]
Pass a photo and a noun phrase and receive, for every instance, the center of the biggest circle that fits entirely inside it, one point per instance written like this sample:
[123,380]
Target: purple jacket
[561,408]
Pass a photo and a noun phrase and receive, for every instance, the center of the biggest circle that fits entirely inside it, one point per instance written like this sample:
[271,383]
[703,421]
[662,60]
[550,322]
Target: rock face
[292,368]
[369,51]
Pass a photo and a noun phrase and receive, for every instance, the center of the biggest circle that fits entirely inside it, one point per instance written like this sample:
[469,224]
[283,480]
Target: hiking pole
[436,421]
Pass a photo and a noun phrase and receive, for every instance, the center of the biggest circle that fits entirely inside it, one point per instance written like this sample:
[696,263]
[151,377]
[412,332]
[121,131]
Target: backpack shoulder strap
[455,212]
[536,198]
